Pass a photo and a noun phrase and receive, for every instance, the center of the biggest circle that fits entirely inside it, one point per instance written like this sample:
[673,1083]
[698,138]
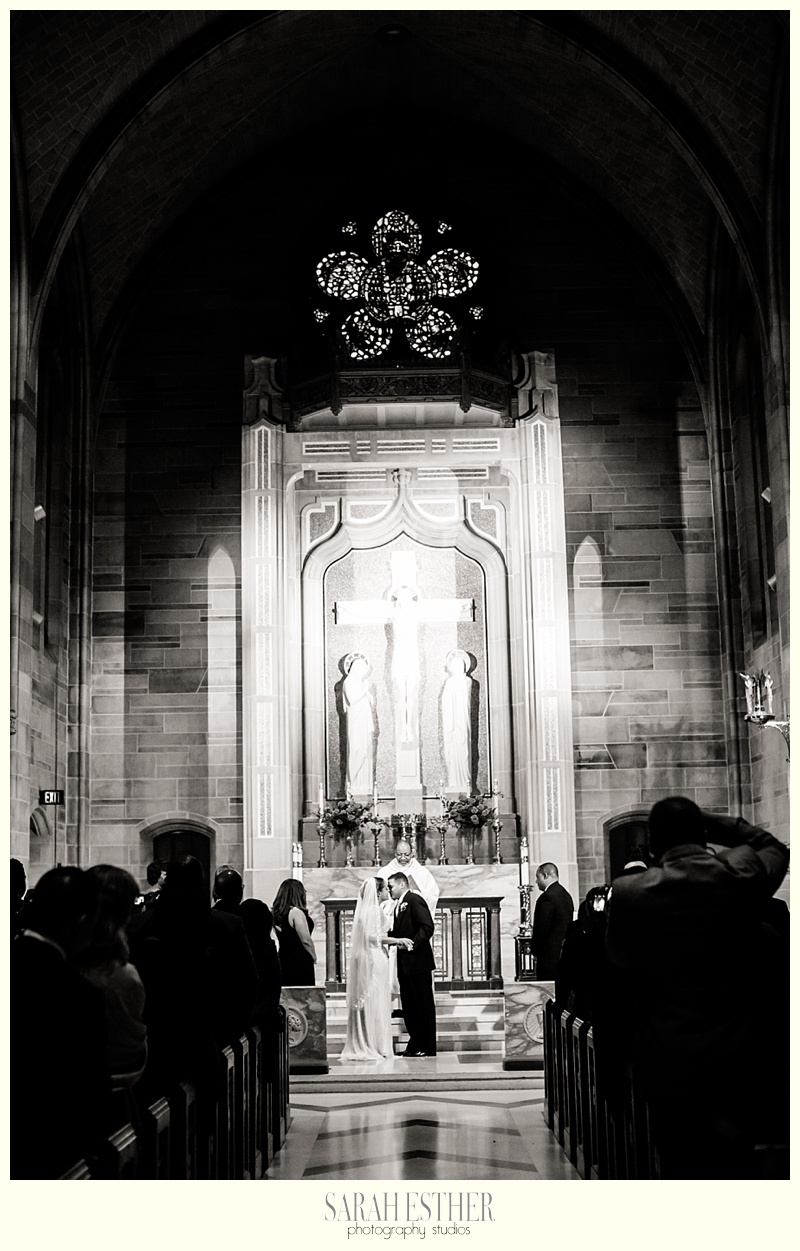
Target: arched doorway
[181,838]
[626,838]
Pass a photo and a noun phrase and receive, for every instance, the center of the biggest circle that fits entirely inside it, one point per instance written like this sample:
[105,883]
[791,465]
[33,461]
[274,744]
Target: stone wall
[645,629]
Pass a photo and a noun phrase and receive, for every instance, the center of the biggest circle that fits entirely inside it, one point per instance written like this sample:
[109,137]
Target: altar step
[448,1071]
[466,1021]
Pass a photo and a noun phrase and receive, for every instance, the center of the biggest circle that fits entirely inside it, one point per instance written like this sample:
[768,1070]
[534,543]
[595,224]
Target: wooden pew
[124,1154]
[154,1164]
[183,1132]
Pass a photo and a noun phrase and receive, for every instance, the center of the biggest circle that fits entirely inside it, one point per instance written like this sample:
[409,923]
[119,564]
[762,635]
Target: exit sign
[51,797]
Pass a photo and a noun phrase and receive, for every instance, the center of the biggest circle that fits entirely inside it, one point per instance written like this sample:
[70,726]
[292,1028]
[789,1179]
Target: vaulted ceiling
[126,121]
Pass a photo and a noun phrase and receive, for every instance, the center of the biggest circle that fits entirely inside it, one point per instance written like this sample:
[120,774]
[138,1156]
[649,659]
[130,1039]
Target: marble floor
[428,1127]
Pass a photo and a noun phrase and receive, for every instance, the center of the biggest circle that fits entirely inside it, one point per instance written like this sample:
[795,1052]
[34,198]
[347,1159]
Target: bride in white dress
[369,1019]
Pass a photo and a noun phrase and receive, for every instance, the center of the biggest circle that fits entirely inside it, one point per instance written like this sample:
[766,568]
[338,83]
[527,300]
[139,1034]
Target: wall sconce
[758,689]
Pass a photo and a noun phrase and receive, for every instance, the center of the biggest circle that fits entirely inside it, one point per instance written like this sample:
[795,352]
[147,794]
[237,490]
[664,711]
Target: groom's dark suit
[412,919]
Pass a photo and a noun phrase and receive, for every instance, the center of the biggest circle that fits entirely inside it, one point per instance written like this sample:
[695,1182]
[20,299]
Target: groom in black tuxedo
[413,927]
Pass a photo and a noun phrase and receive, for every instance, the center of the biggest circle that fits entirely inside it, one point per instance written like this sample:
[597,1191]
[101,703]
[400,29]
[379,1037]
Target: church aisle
[495,1135]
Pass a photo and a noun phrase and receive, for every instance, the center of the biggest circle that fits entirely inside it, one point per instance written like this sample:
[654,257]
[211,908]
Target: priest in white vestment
[420,880]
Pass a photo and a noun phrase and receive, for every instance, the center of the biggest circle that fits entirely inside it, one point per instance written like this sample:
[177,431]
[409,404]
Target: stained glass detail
[433,334]
[443,228]
[349,228]
[396,234]
[340,273]
[320,314]
[397,289]
[365,338]
[477,311]
[453,272]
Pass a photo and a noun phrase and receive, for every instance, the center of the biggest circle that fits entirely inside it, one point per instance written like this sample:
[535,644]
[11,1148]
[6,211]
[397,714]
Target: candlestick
[497,825]
[524,865]
[321,799]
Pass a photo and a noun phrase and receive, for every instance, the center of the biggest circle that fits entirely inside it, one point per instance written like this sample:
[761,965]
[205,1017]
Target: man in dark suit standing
[687,936]
[551,916]
[413,928]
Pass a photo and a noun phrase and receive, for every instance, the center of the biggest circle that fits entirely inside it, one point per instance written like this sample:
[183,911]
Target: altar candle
[321,797]
[524,866]
[375,795]
[441,791]
[495,787]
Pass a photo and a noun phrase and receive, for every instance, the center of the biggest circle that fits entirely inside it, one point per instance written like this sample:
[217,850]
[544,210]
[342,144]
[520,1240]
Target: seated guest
[144,904]
[156,877]
[257,918]
[228,889]
[199,977]
[60,1090]
[104,963]
[582,970]
[171,955]
[18,887]
[297,951]
[232,968]
[688,937]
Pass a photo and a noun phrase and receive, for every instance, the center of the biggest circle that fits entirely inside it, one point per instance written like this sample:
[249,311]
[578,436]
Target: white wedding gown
[369,1020]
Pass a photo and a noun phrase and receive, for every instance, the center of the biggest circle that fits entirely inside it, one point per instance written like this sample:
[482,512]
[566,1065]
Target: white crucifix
[403,608]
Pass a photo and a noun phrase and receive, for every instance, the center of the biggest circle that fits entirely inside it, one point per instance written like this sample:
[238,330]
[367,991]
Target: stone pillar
[268,832]
[547,774]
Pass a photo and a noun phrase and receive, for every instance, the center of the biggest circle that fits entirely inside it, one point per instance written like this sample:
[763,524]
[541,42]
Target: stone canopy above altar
[405,623]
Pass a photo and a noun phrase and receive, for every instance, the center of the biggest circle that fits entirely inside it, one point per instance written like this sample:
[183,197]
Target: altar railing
[466,943]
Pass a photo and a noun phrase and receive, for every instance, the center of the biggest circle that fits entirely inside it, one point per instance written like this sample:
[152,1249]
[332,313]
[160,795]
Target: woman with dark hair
[258,925]
[105,963]
[297,952]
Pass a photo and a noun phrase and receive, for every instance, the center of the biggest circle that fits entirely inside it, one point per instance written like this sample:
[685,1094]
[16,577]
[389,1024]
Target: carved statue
[360,724]
[457,722]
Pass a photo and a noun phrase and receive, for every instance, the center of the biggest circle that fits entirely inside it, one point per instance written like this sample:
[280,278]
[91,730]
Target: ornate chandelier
[398,288]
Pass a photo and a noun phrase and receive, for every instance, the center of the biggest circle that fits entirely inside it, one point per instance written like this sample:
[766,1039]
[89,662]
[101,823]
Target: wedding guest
[105,963]
[298,954]
[582,970]
[18,888]
[551,916]
[688,935]
[258,925]
[228,889]
[172,959]
[60,1090]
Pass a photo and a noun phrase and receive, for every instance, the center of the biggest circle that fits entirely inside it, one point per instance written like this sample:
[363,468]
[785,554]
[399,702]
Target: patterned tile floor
[408,1136]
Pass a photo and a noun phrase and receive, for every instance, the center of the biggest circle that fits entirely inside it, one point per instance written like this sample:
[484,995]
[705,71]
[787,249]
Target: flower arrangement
[469,812]
[344,816]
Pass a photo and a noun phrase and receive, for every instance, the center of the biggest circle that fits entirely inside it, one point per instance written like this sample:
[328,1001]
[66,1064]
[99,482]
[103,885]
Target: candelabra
[297,861]
[758,689]
[526,927]
[497,824]
[409,823]
[376,838]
